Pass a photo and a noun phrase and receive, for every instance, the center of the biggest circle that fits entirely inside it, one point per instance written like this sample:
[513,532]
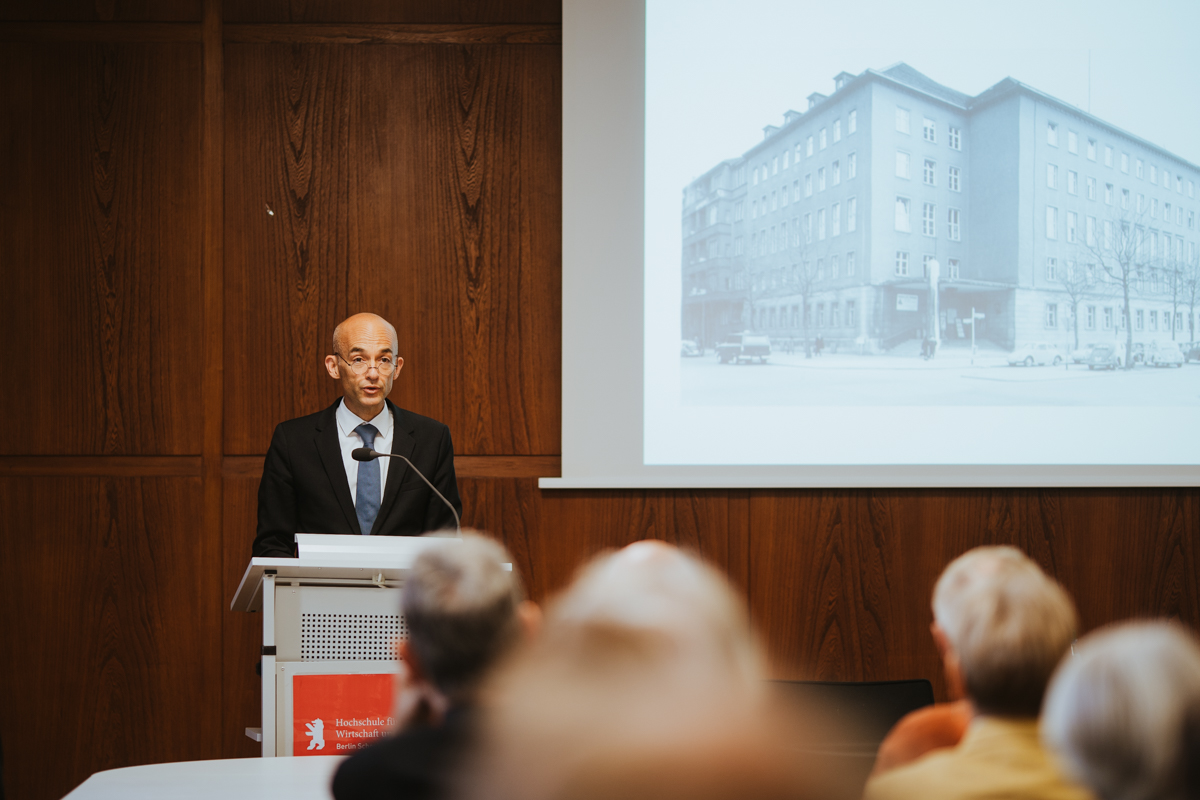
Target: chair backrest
[864,710]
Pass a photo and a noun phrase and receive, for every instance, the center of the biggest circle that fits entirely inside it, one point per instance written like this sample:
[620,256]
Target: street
[947,380]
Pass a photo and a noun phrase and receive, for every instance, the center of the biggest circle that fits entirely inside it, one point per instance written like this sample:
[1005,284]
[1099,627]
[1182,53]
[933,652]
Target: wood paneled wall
[191,195]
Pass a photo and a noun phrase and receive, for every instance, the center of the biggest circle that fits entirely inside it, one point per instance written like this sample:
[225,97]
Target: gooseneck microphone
[367,454]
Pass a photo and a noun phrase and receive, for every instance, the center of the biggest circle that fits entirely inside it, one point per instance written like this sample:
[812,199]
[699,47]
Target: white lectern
[334,610]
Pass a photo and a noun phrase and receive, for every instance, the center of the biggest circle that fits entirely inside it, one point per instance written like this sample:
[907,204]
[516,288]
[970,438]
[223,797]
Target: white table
[303,778]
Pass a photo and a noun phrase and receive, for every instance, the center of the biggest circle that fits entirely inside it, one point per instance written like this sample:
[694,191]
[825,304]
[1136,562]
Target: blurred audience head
[463,611]
[645,682]
[1002,626]
[1124,713]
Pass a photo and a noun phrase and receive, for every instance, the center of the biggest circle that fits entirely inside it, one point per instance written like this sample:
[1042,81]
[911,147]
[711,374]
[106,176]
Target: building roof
[903,73]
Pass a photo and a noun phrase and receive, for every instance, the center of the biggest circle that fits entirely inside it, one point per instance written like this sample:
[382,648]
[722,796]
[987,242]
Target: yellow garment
[997,758]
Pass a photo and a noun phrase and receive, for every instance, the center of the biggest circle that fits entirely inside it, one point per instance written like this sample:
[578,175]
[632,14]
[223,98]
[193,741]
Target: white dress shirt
[347,421]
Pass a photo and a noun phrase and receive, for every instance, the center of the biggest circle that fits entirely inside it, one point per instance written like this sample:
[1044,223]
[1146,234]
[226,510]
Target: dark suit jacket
[416,764]
[304,487]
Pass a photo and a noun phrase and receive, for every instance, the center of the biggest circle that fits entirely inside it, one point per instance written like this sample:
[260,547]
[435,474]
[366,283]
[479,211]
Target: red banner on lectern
[337,714]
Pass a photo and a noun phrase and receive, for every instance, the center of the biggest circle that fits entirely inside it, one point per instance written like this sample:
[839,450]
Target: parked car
[1193,353]
[1040,354]
[1166,355]
[1080,355]
[1103,356]
[690,349]
[745,345]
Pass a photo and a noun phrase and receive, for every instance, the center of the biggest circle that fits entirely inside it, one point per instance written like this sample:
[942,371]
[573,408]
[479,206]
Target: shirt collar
[347,420]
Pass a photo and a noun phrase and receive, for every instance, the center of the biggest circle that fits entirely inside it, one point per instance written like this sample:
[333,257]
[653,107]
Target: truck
[744,346]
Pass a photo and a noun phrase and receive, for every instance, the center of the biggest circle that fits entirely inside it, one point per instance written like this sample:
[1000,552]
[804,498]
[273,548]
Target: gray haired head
[460,604]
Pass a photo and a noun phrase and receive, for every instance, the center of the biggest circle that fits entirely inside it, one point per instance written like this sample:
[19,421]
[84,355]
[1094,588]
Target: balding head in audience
[1002,625]
[1124,712]
[646,681]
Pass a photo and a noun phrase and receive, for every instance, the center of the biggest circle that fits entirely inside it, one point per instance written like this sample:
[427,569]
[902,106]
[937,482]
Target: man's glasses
[359,365]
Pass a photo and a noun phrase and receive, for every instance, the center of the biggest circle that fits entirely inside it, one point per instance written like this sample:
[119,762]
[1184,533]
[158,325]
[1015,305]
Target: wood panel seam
[273,33]
[100,32]
[465,466]
[100,466]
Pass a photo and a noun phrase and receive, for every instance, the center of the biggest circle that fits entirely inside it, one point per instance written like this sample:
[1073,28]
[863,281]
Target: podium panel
[331,619]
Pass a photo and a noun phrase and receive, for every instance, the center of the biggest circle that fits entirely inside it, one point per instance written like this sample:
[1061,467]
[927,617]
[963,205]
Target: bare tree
[804,284]
[1119,249]
[1189,293]
[1172,276]
[1078,284]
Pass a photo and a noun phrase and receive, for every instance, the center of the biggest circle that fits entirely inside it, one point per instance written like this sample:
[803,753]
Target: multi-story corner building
[1019,197]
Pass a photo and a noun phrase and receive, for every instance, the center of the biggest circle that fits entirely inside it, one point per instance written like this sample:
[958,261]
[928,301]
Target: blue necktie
[367,495]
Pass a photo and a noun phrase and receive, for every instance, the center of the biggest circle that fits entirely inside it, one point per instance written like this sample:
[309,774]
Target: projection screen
[932,245]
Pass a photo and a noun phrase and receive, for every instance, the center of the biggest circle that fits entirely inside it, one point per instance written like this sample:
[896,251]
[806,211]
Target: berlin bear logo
[316,729]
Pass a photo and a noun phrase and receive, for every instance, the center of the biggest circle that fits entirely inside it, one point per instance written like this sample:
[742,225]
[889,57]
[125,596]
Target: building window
[787,154]
[837,172]
[821,179]
[930,130]
[754,178]
[820,224]
[1124,198]
[753,209]
[808,185]
[783,196]
[952,221]
[1108,319]
[1125,163]
[851,312]
[1051,176]
[902,119]
[953,179]
[820,307]
[929,173]
[903,222]
[1153,172]
[837,130]
[1141,202]
[1051,315]
[1154,321]
[1072,182]
[851,214]
[1051,269]
[1072,142]
[1051,222]
[1090,318]
[851,166]
[808,149]
[795,231]
[836,214]
[902,160]
[850,265]
[739,246]
[1091,231]
[1091,150]
[952,269]
[925,265]
[1191,189]
[928,226]
[1072,223]
[852,122]
[1091,188]
[824,141]
[1108,234]
[833,269]
[808,228]
[775,165]
[774,201]
[1166,212]
[1139,320]
[1052,134]
[1108,156]
[901,263]
[955,138]
[797,158]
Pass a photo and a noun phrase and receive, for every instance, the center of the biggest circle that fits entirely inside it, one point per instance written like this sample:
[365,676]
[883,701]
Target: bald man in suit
[310,482]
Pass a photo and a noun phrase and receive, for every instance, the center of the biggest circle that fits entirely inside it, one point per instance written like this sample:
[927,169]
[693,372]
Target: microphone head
[363,454]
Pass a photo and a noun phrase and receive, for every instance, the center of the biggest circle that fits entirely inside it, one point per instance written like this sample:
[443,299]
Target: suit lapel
[402,444]
[331,457]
